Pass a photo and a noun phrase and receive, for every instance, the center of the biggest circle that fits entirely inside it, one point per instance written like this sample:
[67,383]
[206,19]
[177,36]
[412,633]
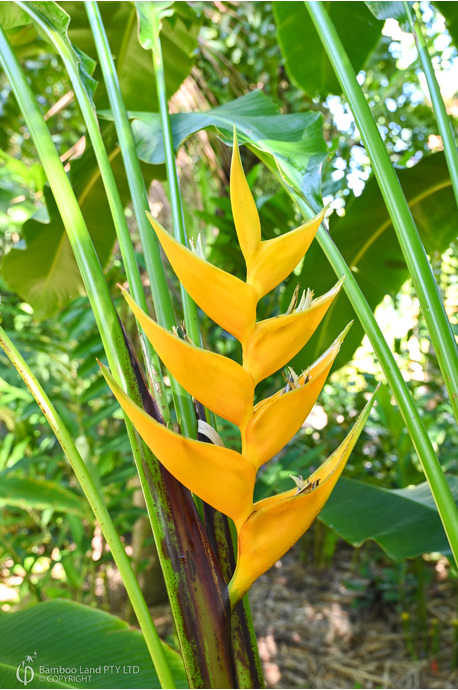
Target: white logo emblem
[24,672]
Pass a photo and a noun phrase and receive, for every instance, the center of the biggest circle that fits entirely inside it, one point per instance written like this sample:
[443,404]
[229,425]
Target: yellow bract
[244,211]
[226,388]
[222,477]
[226,299]
[273,342]
[275,259]
[201,467]
[287,516]
[285,412]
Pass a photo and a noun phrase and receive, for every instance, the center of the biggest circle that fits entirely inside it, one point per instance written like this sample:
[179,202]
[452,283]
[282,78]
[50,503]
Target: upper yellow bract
[222,477]
[226,299]
[244,211]
[276,258]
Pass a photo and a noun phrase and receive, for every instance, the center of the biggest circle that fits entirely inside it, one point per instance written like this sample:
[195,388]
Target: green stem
[114,200]
[176,205]
[415,256]
[155,268]
[443,122]
[101,513]
[189,307]
[443,497]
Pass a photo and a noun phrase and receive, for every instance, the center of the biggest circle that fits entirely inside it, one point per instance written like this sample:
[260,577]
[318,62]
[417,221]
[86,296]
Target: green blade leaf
[296,139]
[64,635]
[26,492]
[405,522]
[54,16]
[305,58]
[44,272]
[367,241]
[391,10]
[133,64]
[11,16]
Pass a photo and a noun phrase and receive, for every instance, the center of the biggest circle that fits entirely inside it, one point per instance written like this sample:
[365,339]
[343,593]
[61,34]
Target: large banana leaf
[296,140]
[42,268]
[64,635]
[305,58]
[404,522]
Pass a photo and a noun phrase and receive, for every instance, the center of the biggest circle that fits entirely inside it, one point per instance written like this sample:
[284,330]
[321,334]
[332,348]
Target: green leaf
[146,14]
[44,271]
[368,243]
[391,10]
[387,10]
[64,635]
[450,12]
[133,64]
[296,140]
[305,58]
[11,16]
[52,15]
[404,522]
[26,492]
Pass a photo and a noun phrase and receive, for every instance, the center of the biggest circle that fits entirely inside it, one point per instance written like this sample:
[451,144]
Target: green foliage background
[242,63]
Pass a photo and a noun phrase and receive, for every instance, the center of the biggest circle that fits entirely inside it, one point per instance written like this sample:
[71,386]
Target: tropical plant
[213,538]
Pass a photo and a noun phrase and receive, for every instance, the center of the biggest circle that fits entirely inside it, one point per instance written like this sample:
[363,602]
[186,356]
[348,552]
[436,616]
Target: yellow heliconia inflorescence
[220,476]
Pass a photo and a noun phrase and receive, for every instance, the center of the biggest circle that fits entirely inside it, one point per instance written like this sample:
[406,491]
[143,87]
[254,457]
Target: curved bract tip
[203,468]
[276,523]
[217,382]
